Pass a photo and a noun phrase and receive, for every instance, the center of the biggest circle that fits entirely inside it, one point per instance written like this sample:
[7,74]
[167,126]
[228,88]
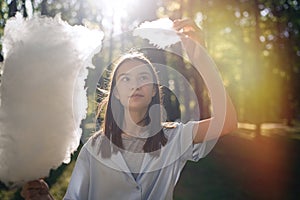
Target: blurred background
[256,47]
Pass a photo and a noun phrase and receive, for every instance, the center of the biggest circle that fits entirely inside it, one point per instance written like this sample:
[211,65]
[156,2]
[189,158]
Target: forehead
[133,67]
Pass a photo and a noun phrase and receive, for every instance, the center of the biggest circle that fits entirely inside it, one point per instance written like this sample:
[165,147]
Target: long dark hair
[114,117]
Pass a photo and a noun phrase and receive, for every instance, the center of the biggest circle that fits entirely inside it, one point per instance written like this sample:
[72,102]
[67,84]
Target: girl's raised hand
[189,29]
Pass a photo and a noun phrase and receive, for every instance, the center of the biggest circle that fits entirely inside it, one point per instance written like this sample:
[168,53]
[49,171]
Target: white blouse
[96,178]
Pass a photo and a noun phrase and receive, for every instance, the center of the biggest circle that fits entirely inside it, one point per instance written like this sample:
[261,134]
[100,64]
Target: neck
[133,122]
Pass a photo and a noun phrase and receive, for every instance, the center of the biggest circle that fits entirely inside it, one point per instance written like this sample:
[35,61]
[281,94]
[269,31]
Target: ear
[154,91]
[116,94]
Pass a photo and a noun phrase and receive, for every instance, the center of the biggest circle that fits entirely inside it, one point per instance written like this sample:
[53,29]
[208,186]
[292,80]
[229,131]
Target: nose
[134,84]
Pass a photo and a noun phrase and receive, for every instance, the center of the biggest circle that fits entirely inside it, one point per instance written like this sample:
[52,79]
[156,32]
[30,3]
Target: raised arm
[230,124]
[193,41]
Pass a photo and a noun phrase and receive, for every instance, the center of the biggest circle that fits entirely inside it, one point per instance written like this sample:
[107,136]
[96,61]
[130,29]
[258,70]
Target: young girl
[135,156]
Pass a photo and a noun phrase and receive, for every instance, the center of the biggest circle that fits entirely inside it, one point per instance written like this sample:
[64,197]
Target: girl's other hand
[36,190]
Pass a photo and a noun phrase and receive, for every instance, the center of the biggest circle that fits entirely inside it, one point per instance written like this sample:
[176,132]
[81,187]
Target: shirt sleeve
[190,151]
[78,188]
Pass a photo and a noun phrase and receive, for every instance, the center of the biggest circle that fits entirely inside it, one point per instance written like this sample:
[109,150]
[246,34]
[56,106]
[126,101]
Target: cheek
[122,89]
[122,93]
[149,90]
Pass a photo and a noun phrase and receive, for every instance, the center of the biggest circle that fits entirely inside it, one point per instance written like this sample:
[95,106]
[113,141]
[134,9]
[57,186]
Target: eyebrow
[121,75]
[125,73]
[142,73]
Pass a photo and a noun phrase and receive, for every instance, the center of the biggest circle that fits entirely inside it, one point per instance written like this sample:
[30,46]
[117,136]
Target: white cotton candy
[43,95]
[160,33]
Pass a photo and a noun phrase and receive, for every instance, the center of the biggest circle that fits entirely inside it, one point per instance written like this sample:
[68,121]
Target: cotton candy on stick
[160,33]
[43,98]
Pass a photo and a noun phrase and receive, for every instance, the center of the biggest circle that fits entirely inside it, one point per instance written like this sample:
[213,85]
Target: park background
[256,46]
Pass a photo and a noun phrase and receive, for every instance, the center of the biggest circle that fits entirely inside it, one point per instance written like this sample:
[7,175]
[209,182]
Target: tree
[256,47]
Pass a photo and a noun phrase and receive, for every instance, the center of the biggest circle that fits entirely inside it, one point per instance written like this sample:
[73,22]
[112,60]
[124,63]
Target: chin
[137,106]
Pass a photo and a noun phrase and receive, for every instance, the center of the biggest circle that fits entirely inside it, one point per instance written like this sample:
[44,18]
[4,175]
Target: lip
[136,95]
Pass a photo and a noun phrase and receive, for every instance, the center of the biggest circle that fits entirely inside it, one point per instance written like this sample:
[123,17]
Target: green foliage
[255,44]
[256,47]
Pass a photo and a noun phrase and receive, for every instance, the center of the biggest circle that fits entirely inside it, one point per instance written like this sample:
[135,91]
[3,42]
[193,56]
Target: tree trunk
[44,9]
[25,14]
[12,8]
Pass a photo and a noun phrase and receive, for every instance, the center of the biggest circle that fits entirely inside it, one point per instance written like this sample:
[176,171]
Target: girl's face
[134,85]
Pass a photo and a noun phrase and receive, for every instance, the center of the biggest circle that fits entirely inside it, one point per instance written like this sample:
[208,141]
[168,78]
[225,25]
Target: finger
[33,187]
[29,194]
[197,36]
[183,23]
[44,191]
[44,185]
[27,187]
[36,184]
[23,193]
[33,184]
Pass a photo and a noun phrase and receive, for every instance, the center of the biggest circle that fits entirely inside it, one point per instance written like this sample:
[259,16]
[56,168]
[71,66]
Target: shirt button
[137,187]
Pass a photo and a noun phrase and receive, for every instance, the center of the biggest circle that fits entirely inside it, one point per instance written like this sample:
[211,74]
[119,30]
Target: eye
[124,78]
[144,78]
